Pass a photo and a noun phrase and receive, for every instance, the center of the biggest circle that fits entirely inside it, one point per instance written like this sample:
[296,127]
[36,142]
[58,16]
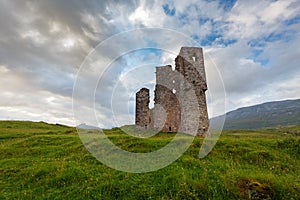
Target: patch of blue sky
[286,36]
[143,56]
[213,38]
[217,39]
[183,18]
[256,57]
[209,39]
[168,10]
[256,52]
[219,25]
[292,21]
[257,43]
[263,62]
[225,42]
[196,38]
[227,4]
[203,20]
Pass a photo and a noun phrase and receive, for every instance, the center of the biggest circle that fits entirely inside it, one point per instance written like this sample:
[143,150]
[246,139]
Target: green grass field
[43,161]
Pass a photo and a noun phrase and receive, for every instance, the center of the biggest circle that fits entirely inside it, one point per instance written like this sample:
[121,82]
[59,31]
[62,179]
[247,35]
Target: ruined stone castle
[179,97]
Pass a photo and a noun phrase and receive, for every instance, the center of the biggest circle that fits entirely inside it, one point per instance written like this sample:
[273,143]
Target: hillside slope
[44,161]
[270,114]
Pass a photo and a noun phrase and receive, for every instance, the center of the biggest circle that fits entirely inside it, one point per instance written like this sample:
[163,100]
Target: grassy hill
[270,114]
[42,161]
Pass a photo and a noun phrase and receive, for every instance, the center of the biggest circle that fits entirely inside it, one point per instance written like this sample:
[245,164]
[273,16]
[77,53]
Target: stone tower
[142,114]
[185,83]
[190,63]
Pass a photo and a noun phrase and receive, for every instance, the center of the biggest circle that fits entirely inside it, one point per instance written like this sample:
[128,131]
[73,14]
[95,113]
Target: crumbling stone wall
[184,84]
[165,98]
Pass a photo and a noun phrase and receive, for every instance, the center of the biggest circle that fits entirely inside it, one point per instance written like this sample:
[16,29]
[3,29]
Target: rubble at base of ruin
[179,97]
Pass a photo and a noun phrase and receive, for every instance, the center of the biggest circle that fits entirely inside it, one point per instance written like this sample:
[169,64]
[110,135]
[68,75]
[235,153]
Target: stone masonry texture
[179,96]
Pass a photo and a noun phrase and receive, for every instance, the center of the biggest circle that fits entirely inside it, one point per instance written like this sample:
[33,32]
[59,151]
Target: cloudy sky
[252,47]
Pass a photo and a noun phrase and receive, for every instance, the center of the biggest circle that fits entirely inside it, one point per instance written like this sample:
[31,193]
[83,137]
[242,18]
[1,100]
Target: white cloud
[35,36]
[252,19]
[278,10]
[148,14]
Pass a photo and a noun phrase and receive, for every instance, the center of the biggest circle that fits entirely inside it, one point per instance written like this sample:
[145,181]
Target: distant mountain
[89,127]
[270,114]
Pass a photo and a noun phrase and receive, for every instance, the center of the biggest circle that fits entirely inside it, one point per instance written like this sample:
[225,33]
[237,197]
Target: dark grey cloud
[34,39]
[34,35]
